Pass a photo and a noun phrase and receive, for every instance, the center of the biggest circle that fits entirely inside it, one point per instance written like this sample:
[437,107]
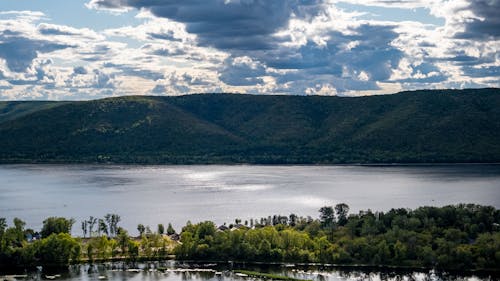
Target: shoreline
[126,264]
[230,164]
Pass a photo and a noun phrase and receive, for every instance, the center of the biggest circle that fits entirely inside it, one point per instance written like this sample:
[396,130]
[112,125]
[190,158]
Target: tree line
[464,236]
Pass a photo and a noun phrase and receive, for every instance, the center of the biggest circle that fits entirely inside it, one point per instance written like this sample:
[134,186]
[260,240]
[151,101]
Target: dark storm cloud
[248,27]
[487,25]
[19,52]
[241,24]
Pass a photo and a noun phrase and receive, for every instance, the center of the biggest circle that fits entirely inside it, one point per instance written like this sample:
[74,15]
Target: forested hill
[409,127]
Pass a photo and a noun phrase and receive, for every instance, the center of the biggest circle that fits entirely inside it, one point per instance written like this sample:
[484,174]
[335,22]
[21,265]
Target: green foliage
[412,127]
[447,237]
[141,228]
[342,210]
[57,249]
[112,221]
[170,229]
[267,275]
[161,229]
[464,237]
[327,217]
[56,225]
[123,240]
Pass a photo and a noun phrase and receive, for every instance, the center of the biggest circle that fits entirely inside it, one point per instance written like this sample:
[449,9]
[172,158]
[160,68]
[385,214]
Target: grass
[267,275]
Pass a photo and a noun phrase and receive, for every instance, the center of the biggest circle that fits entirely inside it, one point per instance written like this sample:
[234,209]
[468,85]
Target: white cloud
[298,47]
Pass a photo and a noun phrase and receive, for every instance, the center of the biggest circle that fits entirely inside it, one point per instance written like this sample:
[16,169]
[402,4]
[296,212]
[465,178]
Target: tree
[170,229]
[103,228]
[112,220]
[133,249]
[84,228]
[326,217]
[115,219]
[342,210]
[123,240]
[161,229]
[90,252]
[3,227]
[91,222]
[57,249]
[56,225]
[141,229]
[19,230]
[292,219]
[19,224]
[109,222]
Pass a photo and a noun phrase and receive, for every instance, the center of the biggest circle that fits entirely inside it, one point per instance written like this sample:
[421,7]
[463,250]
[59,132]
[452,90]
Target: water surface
[175,271]
[162,194]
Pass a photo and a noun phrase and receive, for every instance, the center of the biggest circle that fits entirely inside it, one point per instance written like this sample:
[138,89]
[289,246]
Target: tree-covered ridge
[464,237]
[411,127]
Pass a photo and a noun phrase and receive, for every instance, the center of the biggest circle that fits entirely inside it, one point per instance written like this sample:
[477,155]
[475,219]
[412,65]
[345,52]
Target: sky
[88,49]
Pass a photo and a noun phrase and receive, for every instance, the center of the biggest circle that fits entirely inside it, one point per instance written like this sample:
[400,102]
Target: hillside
[409,127]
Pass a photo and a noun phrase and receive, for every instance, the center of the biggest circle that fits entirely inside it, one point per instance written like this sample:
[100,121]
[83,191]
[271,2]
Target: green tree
[58,249]
[84,228]
[326,216]
[90,252]
[133,250]
[342,210]
[327,219]
[3,227]
[161,229]
[56,225]
[141,229]
[123,240]
[103,228]
[112,221]
[170,229]
[91,223]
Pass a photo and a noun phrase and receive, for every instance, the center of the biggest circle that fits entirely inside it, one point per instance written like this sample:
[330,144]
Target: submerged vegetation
[464,237]
[266,275]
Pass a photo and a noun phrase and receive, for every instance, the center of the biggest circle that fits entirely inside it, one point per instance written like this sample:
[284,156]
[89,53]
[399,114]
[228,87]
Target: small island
[456,237]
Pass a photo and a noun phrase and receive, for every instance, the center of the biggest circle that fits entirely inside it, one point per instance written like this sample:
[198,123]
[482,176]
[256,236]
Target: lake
[221,193]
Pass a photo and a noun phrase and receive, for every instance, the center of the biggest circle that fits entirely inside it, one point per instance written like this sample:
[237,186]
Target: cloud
[313,45]
[237,24]
[79,70]
[62,30]
[130,70]
[242,71]
[323,47]
[484,21]
[19,52]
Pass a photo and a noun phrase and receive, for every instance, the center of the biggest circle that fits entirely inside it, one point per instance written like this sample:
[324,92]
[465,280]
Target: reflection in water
[160,194]
[170,271]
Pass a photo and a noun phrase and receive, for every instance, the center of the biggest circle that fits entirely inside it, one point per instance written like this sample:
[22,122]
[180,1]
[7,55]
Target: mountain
[432,126]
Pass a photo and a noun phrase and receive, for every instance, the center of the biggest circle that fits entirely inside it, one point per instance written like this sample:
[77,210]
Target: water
[174,271]
[163,194]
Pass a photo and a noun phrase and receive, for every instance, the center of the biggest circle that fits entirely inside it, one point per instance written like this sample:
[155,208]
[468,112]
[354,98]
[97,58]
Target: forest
[431,126]
[455,237]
